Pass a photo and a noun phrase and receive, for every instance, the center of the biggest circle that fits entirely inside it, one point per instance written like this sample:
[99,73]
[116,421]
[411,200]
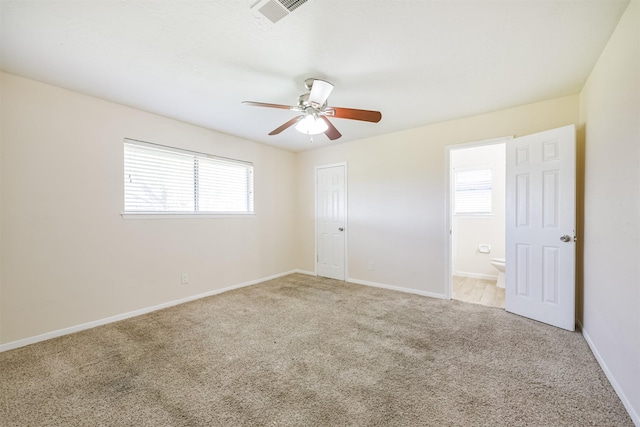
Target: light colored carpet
[307,351]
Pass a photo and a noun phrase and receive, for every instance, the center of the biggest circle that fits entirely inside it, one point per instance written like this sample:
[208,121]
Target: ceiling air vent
[275,10]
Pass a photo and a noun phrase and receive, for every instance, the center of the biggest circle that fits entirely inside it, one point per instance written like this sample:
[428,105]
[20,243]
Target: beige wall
[397,188]
[470,231]
[70,258]
[610,117]
[67,256]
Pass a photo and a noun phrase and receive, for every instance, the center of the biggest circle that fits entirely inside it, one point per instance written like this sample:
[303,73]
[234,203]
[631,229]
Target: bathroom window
[167,180]
[473,191]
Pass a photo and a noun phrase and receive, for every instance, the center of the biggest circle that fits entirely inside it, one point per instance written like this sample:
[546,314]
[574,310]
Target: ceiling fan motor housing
[303,100]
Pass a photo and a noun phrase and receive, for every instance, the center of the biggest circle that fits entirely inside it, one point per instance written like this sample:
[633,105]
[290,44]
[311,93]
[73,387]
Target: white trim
[475,275]
[346,215]
[315,220]
[186,215]
[397,288]
[480,143]
[77,328]
[310,273]
[448,228]
[346,220]
[474,215]
[635,417]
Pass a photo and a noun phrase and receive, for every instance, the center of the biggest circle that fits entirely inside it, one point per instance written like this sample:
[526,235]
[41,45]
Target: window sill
[477,215]
[174,215]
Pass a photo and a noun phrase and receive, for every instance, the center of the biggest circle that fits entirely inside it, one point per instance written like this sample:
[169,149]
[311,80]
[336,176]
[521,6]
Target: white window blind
[473,191]
[159,179]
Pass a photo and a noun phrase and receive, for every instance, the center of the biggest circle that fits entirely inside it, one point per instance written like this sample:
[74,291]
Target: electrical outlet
[184,278]
[370,265]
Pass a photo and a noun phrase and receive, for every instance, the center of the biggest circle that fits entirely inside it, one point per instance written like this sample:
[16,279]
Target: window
[159,179]
[473,191]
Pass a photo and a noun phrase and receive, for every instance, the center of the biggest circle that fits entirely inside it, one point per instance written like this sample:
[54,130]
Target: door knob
[340,229]
[565,238]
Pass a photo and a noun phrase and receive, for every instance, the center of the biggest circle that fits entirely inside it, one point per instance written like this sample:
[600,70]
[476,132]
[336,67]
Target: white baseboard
[60,332]
[475,275]
[625,401]
[310,273]
[397,288]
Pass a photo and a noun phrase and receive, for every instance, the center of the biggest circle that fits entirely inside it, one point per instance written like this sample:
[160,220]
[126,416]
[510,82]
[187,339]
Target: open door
[540,227]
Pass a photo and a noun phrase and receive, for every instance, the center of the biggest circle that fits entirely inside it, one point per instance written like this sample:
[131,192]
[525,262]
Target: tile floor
[478,291]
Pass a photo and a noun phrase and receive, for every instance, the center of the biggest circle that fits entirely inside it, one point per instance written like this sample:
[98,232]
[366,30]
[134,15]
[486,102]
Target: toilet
[499,264]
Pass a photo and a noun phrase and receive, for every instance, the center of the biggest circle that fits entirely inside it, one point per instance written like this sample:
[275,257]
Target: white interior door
[540,212]
[330,221]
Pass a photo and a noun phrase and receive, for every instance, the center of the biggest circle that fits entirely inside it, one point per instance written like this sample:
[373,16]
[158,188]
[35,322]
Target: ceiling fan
[314,109]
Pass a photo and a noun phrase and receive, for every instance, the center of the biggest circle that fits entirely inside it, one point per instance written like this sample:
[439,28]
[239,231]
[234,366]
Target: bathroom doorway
[477,221]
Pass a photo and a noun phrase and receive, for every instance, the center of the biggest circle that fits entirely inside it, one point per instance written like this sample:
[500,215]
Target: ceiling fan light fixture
[320,91]
[311,124]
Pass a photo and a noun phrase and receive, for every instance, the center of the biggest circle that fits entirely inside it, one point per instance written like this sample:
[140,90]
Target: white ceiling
[418,62]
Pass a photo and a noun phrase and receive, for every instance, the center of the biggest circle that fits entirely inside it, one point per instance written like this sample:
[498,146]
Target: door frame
[346,215]
[448,202]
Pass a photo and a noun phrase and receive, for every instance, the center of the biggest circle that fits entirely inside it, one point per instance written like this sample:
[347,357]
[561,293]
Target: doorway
[540,226]
[477,222]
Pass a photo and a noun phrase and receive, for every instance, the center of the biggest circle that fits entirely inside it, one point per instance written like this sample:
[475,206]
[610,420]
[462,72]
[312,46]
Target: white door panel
[330,221]
[540,267]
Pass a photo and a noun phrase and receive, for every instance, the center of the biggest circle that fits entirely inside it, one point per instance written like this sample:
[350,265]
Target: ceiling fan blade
[354,114]
[332,133]
[320,91]
[264,104]
[286,125]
